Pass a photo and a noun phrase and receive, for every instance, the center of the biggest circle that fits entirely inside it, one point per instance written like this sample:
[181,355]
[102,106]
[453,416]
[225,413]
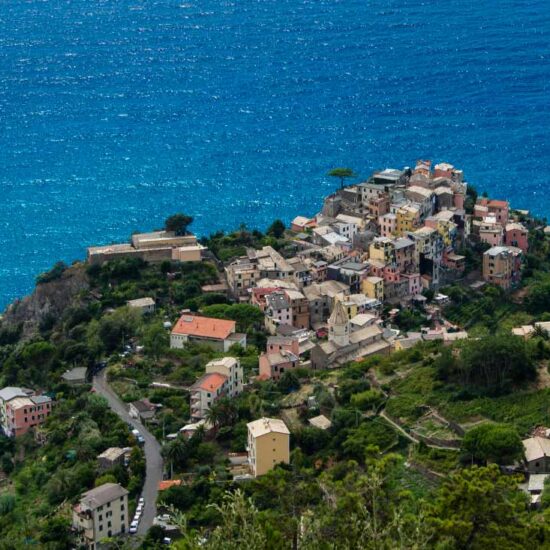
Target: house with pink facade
[282,354]
[388,225]
[21,410]
[515,234]
[490,207]
[491,232]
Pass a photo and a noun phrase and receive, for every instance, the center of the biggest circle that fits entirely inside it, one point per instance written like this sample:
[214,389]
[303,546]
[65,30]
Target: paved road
[154,463]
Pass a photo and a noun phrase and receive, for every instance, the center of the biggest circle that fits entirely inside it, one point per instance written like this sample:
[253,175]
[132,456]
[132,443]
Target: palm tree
[175,451]
[540,332]
[222,413]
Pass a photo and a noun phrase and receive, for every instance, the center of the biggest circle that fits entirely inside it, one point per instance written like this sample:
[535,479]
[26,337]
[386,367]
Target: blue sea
[116,113]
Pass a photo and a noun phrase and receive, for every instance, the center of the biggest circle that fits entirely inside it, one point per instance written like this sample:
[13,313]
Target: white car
[133,527]
[141,501]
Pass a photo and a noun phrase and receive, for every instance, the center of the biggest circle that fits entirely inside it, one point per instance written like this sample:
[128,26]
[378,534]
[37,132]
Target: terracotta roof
[166,484]
[210,382]
[204,327]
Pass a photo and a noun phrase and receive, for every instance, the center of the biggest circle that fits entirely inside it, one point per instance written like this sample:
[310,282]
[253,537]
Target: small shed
[144,305]
[75,376]
[142,409]
[321,422]
[113,456]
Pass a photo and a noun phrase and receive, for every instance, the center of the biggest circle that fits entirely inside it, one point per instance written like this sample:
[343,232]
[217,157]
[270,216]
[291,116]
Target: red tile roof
[163,485]
[204,327]
[210,382]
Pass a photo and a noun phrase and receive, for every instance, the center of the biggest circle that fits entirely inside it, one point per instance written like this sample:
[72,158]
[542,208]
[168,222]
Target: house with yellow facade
[373,287]
[268,445]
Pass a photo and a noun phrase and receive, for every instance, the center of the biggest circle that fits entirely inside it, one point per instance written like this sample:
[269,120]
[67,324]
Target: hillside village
[405,319]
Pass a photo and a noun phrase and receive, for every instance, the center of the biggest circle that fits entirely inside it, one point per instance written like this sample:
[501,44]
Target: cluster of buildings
[386,240]
[22,409]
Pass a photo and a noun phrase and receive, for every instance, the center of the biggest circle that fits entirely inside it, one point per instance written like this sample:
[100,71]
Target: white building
[232,369]
[144,305]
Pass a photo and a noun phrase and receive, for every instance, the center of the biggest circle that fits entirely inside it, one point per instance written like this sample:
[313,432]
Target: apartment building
[101,513]
[268,445]
[21,410]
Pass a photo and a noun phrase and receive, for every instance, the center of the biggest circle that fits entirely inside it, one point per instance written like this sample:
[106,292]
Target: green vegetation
[342,174]
[178,223]
[498,443]
[428,482]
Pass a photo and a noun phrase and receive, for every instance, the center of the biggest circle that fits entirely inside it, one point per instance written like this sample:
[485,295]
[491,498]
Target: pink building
[376,268]
[490,207]
[458,200]
[415,286]
[391,274]
[517,235]
[258,296]
[276,344]
[282,355]
[19,411]
[491,233]
[378,206]
[388,225]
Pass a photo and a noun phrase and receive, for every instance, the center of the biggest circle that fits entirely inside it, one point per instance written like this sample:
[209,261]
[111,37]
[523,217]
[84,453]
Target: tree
[116,328]
[155,340]
[241,526]
[245,315]
[276,229]
[498,443]
[367,399]
[481,508]
[56,531]
[494,364]
[178,223]
[342,174]
[222,413]
[289,382]
[175,452]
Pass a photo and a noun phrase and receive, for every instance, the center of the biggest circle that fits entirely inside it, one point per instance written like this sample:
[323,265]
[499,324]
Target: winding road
[153,458]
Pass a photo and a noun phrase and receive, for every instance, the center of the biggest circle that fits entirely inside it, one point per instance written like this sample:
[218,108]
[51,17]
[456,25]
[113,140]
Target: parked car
[133,527]
[140,439]
[141,501]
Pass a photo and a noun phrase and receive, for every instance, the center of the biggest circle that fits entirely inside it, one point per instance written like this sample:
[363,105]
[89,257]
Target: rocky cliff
[48,300]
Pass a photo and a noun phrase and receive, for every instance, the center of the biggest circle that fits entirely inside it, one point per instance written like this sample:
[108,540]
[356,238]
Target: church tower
[338,325]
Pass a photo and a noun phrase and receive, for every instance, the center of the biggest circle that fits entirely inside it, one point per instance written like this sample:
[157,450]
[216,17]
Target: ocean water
[116,113]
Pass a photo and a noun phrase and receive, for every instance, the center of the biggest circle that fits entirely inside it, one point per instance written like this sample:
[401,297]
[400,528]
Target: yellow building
[268,444]
[373,287]
[408,219]
[382,250]
[350,308]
